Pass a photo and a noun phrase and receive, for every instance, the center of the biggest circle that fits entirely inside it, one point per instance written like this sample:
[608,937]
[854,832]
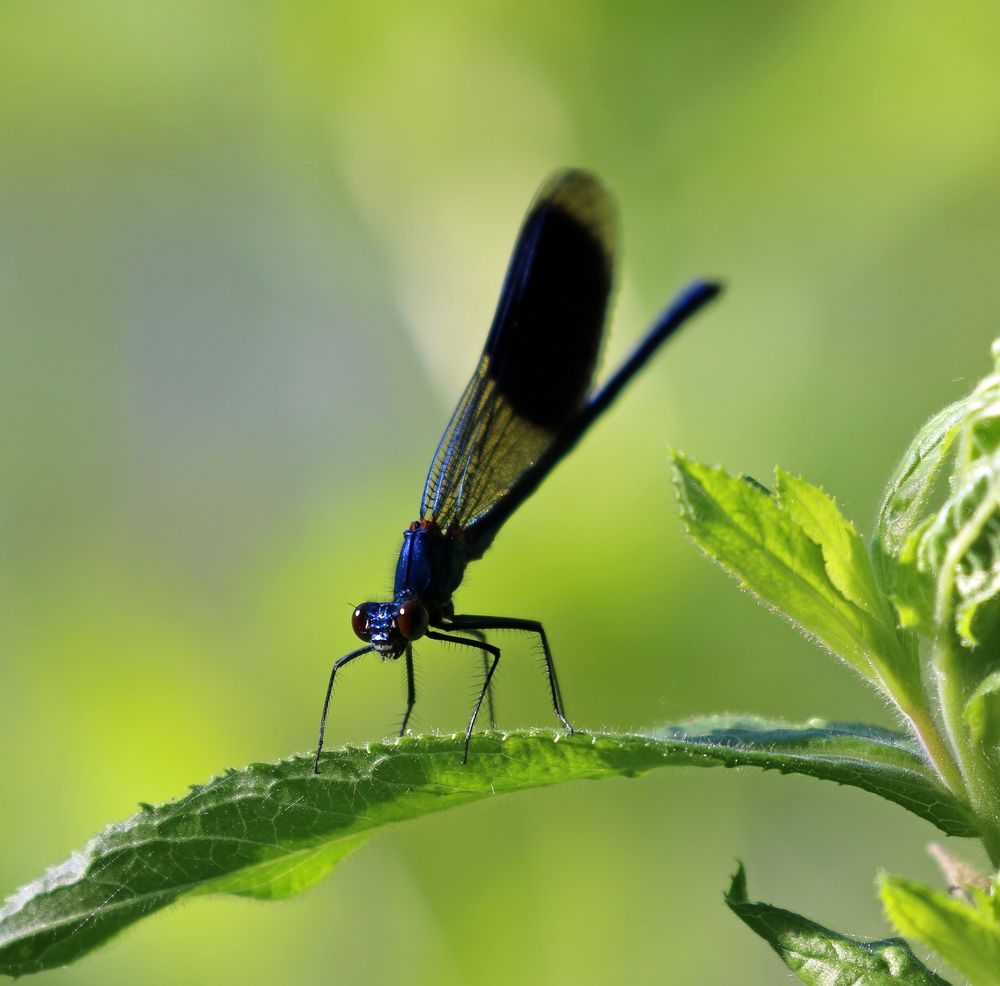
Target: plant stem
[909,695]
[954,688]
[936,747]
[951,693]
[958,674]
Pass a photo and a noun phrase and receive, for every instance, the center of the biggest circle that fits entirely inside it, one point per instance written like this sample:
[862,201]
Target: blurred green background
[248,255]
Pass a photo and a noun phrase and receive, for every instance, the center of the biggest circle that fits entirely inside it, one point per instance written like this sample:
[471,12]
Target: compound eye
[359,622]
[411,620]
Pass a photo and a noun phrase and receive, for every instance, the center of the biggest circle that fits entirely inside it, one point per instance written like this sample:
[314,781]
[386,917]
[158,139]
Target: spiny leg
[485,648]
[529,626]
[490,700]
[337,665]
[411,689]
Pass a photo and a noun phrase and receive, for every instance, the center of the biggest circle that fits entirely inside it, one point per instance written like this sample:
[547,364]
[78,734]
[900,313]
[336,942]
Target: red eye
[359,621]
[411,620]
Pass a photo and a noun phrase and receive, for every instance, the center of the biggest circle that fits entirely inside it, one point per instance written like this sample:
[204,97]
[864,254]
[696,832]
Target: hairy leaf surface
[272,830]
[964,932]
[800,555]
[821,957]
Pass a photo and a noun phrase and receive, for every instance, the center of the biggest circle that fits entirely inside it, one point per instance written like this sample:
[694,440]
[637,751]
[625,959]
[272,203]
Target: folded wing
[538,364]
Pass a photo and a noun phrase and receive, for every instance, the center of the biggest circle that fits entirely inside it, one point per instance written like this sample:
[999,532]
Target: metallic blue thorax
[430,567]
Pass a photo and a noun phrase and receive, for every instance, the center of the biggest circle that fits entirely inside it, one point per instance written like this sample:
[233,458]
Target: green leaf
[796,552]
[982,418]
[882,761]
[749,534]
[821,957]
[962,546]
[844,553]
[285,876]
[271,830]
[965,933]
[942,562]
[913,587]
[912,485]
[982,712]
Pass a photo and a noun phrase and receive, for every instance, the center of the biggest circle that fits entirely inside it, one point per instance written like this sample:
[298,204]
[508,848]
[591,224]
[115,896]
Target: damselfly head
[389,627]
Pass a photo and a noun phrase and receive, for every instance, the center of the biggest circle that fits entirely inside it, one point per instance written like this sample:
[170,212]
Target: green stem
[954,689]
[952,695]
[909,695]
[936,747]
[957,677]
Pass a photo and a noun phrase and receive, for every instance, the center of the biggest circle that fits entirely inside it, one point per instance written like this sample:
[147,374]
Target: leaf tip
[756,484]
[737,892]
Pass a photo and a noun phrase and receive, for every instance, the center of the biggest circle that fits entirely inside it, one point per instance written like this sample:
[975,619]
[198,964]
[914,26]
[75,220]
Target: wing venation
[537,367]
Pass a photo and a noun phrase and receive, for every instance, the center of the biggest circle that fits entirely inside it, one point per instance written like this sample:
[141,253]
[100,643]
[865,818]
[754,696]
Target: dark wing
[538,363]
